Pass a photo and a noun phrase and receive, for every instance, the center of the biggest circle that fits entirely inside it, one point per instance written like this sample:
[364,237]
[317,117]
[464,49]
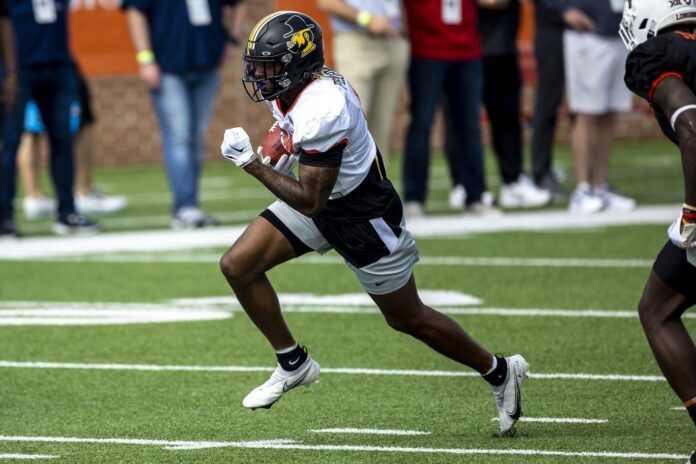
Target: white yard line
[292,445]
[431,226]
[679,408]
[324,370]
[455,261]
[559,420]
[371,431]
[28,456]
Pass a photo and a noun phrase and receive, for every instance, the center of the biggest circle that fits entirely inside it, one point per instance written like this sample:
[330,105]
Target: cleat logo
[517,412]
[290,385]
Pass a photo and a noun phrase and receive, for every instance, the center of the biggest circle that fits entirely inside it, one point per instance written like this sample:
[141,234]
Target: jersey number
[451,11]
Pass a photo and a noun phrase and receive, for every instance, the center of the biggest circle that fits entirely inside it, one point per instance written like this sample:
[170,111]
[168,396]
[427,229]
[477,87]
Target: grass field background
[403,386]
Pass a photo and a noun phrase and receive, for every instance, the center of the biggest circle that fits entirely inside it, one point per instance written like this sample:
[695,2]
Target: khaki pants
[376,68]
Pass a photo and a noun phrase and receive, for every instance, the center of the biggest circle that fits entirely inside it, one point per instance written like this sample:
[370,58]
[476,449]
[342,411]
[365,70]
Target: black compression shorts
[673,268]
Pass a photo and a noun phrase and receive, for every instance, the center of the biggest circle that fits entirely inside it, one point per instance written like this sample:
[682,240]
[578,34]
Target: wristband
[145,57]
[688,214]
[364,19]
[688,206]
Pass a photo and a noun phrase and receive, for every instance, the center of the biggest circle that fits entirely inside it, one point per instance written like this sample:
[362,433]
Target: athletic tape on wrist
[679,112]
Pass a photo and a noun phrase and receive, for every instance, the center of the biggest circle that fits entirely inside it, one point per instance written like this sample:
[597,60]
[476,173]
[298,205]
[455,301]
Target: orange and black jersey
[670,54]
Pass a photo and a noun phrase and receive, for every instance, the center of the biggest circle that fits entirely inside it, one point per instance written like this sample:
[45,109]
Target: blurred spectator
[46,73]
[499,23]
[548,51]
[9,63]
[88,200]
[180,47]
[594,67]
[370,50]
[445,57]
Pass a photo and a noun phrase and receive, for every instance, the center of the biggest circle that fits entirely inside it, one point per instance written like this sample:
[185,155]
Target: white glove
[682,237]
[236,147]
[284,166]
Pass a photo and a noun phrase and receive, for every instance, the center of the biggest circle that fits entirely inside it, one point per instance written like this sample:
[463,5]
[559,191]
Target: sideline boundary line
[431,226]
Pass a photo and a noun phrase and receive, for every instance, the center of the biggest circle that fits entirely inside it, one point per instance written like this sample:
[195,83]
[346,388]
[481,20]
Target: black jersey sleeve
[650,62]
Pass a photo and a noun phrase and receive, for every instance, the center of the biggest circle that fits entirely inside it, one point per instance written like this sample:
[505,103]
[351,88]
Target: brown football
[273,143]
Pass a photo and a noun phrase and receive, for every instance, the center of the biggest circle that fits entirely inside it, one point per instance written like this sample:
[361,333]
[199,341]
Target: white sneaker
[38,208]
[280,382]
[413,210]
[98,203]
[457,197]
[582,201]
[190,217]
[614,202]
[508,396]
[523,194]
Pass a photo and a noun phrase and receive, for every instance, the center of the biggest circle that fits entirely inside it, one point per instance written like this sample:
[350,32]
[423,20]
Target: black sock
[692,410]
[293,359]
[497,377]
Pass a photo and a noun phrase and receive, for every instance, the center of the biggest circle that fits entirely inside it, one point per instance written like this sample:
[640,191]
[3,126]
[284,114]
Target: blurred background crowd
[108,82]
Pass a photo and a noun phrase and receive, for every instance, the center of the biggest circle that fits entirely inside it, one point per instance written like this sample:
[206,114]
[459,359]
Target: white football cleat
[280,382]
[508,396]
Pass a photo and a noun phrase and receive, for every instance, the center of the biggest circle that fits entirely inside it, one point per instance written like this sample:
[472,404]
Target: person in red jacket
[445,59]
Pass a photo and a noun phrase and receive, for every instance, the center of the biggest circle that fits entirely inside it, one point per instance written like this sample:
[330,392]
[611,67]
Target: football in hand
[274,143]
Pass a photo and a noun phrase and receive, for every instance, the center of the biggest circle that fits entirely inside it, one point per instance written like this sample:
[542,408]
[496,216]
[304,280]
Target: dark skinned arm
[308,195]
[670,95]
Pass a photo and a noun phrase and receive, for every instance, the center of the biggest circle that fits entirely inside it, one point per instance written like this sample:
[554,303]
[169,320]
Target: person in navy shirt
[46,73]
[179,46]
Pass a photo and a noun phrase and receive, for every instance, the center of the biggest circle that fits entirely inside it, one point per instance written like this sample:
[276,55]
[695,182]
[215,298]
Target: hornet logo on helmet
[300,35]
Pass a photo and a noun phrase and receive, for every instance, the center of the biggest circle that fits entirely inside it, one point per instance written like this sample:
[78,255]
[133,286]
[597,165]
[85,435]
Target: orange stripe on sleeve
[659,79]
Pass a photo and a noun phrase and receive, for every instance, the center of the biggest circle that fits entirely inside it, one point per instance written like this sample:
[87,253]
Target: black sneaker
[75,224]
[8,229]
[692,459]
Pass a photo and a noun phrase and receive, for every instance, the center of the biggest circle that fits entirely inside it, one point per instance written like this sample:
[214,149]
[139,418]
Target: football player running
[341,200]
[661,67]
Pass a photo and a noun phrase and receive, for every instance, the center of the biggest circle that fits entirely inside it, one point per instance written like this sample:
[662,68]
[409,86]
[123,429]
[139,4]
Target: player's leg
[668,292]
[404,311]
[278,235]
[390,283]
[260,248]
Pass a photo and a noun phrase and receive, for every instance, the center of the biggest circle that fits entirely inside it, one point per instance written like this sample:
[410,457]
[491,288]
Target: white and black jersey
[363,215]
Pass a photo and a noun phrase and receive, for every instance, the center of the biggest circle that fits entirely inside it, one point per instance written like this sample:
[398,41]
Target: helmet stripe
[255,31]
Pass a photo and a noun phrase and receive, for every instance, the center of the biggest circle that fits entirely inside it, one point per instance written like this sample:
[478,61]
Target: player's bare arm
[671,95]
[308,195]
